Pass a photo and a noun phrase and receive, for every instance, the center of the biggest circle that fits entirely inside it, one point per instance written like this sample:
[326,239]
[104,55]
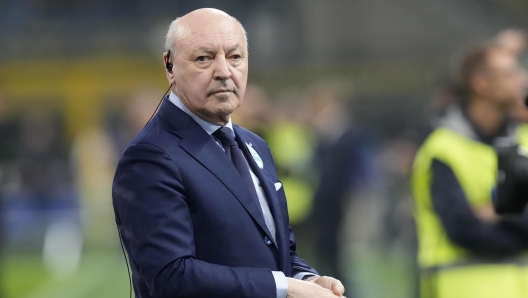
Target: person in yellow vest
[465,249]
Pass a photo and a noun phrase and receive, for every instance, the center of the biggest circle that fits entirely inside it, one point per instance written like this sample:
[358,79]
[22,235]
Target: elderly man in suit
[197,200]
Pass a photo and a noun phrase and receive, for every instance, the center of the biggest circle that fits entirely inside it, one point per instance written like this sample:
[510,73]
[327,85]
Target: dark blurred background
[342,91]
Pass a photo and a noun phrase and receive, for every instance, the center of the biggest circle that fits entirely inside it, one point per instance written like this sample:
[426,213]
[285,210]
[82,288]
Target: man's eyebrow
[212,51]
[206,50]
[233,48]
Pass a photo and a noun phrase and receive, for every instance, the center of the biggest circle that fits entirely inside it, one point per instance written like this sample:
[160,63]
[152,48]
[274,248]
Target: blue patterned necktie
[226,136]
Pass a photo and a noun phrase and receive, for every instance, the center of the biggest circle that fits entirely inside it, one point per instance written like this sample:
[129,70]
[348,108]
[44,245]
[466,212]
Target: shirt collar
[210,128]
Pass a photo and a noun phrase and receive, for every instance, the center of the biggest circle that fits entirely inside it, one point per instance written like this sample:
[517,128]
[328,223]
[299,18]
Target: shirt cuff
[303,275]
[280,283]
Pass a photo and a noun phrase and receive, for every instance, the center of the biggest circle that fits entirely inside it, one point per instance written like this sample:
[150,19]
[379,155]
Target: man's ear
[168,63]
[168,67]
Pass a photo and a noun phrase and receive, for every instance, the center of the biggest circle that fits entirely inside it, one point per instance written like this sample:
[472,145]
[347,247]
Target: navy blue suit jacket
[189,223]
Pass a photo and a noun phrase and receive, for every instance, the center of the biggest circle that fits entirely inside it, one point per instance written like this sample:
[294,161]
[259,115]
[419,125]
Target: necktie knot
[226,136]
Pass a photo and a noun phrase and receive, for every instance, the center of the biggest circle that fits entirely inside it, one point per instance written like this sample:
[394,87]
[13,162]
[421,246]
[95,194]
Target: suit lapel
[270,193]
[202,147]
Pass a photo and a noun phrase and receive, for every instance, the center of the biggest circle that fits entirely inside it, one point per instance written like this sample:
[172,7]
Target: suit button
[267,240]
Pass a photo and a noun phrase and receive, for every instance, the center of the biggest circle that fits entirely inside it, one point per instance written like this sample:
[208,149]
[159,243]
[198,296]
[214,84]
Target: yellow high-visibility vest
[448,270]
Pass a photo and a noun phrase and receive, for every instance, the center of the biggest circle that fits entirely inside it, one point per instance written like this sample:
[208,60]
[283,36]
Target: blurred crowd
[469,244]
[346,182]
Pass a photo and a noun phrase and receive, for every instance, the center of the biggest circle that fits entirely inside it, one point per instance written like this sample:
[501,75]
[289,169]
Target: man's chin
[224,104]
[220,113]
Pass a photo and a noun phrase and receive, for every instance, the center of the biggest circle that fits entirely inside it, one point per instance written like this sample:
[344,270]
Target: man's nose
[221,69]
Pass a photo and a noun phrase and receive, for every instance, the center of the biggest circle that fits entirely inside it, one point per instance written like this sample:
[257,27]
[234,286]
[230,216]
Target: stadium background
[83,61]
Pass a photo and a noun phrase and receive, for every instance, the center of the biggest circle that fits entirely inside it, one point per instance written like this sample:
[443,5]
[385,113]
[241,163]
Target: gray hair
[170,39]
[175,31]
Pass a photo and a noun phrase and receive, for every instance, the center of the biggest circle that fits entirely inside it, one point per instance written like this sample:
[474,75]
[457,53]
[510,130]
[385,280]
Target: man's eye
[202,59]
[236,57]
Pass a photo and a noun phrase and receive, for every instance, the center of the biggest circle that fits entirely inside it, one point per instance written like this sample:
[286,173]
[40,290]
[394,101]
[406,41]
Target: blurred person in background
[394,164]
[199,215]
[292,141]
[7,156]
[40,207]
[344,159]
[285,125]
[8,147]
[96,151]
[8,130]
[512,40]
[466,249]
[515,41]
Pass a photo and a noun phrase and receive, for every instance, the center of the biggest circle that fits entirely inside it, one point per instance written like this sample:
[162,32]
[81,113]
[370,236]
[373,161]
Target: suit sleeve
[298,264]
[153,215]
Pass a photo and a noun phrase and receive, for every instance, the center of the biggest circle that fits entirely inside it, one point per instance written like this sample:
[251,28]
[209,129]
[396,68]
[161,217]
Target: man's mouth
[221,92]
